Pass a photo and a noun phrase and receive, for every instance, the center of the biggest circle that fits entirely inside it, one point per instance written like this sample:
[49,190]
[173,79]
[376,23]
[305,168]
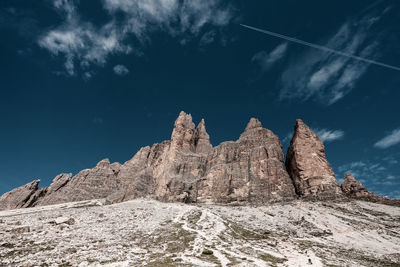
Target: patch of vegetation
[234,261]
[109,261]
[7,245]
[321,233]
[65,264]
[207,252]
[194,217]
[160,260]
[46,248]
[307,244]
[370,261]
[243,233]
[175,238]
[208,255]
[270,258]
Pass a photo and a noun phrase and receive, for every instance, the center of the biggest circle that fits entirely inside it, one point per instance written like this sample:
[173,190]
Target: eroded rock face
[353,188]
[249,170]
[99,182]
[307,165]
[188,168]
[18,197]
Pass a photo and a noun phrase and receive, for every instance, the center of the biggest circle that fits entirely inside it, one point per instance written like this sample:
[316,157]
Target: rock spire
[306,163]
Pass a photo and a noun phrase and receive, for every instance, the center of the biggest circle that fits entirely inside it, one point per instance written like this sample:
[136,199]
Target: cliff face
[250,169]
[306,163]
[188,168]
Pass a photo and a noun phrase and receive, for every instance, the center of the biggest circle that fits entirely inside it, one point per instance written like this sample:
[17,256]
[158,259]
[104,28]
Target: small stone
[65,220]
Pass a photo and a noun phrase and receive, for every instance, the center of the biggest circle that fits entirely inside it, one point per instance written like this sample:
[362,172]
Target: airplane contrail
[320,47]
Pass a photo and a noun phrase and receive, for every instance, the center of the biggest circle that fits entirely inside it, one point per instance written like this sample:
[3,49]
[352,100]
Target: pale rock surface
[151,233]
[98,182]
[18,197]
[307,165]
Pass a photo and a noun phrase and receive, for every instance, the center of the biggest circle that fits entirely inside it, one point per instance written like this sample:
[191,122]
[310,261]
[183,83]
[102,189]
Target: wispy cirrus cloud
[390,140]
[327,135]
[121,70]
[327,78]
[266,60]
[83,43]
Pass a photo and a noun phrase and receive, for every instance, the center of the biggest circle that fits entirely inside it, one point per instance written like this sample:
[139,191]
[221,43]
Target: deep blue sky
[84,80]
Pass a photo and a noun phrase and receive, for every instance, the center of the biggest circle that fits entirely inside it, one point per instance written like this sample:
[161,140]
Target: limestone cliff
[306,163]
[187,168]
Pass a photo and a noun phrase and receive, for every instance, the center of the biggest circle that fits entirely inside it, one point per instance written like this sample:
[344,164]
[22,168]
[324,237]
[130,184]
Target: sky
[85,80]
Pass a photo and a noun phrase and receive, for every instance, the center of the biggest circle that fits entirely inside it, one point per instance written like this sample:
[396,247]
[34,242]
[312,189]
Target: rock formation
[188,168]
[353,188]
[248,170]
[307,165]
[18,197]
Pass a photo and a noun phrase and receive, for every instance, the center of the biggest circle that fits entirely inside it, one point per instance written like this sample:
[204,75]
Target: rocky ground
[151,233]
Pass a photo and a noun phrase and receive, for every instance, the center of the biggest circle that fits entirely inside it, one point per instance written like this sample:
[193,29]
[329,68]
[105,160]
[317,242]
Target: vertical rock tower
[308,167]
[249,170]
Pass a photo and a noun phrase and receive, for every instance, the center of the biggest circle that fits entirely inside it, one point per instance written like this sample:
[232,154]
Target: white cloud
[207,38]
[325,77]
[390,140]
[266,60]
[87,75]
[83,44]
[121,70]
[327,135]
[364,170]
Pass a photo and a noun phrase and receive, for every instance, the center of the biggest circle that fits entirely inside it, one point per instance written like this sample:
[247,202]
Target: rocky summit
[306,163]
[189,169]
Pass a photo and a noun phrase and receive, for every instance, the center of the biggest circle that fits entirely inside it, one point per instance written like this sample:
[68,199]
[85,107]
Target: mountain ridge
[187,168]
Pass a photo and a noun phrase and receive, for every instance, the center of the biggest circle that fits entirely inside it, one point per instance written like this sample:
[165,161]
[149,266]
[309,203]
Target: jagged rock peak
[353,188]
[201,127]
[307,165]
[105,163]
[184,120]
[254,130]
[302,129]
[253,123]
[19,196]
[202,139]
